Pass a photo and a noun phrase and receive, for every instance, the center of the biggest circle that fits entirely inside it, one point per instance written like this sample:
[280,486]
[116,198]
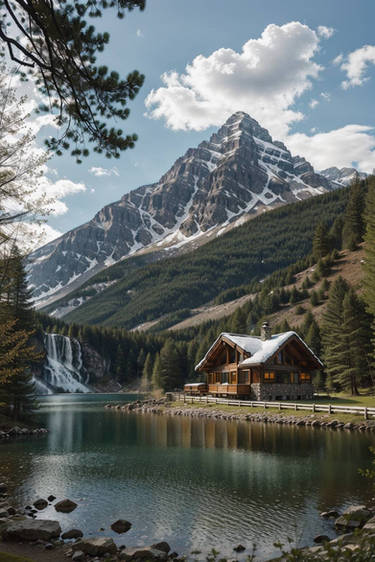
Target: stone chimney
[265,331]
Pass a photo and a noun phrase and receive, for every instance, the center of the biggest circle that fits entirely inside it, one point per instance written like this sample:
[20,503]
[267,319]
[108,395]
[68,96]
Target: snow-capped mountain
[343,176]
[238,173]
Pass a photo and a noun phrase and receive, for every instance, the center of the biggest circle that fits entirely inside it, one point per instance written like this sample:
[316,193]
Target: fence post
[279,406]
[295,406]
[365,414]
[313,407]
[330,408]
[184,398]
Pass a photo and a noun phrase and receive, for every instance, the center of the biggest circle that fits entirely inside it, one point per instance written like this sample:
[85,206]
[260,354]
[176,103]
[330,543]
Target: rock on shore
[17,431]
[31,530]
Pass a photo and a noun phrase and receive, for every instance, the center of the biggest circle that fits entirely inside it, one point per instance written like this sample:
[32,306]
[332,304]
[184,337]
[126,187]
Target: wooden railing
[315,407]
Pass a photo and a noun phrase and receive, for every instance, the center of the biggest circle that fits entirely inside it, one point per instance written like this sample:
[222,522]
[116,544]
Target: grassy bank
[322,416]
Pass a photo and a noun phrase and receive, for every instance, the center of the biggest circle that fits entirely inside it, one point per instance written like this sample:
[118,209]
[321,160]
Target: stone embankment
[17,431]
[162,406]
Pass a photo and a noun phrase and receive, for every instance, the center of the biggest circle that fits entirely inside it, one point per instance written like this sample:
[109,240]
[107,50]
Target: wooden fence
[297,406]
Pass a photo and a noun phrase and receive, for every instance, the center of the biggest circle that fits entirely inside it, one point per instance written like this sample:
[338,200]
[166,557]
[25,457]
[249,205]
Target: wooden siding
[233,389]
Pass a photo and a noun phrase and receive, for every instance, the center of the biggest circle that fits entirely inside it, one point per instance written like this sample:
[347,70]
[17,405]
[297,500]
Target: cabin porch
[261,384]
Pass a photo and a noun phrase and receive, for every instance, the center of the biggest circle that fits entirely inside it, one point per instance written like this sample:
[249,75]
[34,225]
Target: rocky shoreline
[355,527]
[316,421]
[18,431]
[22,526]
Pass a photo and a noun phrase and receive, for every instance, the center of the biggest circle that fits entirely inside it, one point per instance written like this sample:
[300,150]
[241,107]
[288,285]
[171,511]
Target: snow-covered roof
[260,350]
[194,383]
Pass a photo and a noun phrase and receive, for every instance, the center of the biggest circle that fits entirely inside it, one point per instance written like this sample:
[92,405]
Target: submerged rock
[121,526]
[40,504]
[321,539]
[65,506]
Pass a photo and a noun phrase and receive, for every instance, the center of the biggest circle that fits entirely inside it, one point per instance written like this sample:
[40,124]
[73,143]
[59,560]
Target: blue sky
[287,79]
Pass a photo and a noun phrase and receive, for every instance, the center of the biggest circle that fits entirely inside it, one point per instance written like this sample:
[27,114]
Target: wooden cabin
[269,367]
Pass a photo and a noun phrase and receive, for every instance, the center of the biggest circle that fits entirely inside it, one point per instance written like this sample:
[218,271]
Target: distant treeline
[221,269]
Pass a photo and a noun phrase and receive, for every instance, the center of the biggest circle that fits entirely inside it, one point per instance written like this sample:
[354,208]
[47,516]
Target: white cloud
[139,33]
[55,191]
[99,172]
[356,64]
[264,79]
[313,103]
[326,96]
[325,32]
[338,60]
[352,144]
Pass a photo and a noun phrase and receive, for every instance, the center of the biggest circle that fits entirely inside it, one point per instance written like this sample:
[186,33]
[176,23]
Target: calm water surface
[193,482]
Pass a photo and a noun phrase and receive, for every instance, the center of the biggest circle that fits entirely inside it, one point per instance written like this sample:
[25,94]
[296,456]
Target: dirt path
[27,552]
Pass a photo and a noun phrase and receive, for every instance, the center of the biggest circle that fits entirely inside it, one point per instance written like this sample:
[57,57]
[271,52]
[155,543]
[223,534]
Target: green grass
[323,416]
[343,399]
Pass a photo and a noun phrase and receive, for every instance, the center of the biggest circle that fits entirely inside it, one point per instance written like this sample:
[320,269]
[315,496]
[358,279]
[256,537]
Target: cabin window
[294,378]
[232,355]
[305,377]
[279,358]
[243,377]
[224,377]
[269,376]
[217,377]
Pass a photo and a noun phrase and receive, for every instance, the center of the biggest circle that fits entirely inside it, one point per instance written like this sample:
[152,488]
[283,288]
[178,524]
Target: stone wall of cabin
[281,391]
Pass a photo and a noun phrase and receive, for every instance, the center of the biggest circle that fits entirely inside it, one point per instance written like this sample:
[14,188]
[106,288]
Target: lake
[195,483]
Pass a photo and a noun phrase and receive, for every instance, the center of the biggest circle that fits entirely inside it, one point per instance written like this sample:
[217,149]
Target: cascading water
[63,370]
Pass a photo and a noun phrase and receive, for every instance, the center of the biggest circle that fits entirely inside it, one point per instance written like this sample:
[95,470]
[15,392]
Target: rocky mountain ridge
[238,173]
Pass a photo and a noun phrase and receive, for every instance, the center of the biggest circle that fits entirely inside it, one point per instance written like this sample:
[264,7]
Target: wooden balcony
[229,389]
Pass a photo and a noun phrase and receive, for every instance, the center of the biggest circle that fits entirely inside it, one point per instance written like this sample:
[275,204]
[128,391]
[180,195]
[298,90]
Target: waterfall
[63,370]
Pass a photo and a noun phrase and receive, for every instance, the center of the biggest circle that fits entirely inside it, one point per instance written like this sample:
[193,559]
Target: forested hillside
[228,264]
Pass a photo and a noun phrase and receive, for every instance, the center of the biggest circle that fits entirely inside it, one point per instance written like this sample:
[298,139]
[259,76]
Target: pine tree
[335,233]
[156,374]
[320,244]
[333,337]
[353,229]
[313,338]
[147,374]
[17,353]
[171,376]
[354,344]
[238,324]
[314,298]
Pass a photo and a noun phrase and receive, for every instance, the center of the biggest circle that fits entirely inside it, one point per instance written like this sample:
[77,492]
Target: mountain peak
[235,175]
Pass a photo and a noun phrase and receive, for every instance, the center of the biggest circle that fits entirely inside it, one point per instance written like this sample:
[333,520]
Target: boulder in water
[65,506]
[40,504]
[121,526]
